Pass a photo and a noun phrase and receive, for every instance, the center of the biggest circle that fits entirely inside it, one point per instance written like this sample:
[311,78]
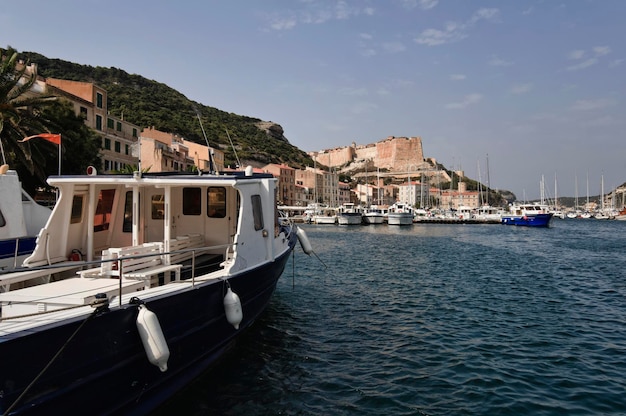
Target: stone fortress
[395,156]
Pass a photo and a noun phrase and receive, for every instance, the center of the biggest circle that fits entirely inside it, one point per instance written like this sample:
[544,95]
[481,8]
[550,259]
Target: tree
[24,112]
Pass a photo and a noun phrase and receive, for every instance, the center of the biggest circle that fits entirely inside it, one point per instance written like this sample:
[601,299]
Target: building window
[118,147]
[99,100]
[99,123]
[126,149]
[134,132]
[107,144]
[110,123]
[118,127]
[83,112]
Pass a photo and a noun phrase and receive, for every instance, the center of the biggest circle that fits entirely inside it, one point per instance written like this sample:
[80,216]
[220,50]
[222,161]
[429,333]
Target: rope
[41,313]
[53,359]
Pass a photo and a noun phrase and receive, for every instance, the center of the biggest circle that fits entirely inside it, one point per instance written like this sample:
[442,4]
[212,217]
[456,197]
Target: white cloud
[368,52]
[616,63]
[601,50]
[433,37]
[521,88]
[428,4]
[423,4]
[457,77]
[453,31]
[589,105]
[283,23]
[579,54]
[317,13]
[467,100]
[582,65]
[353,91]
[496,61]
[484,14]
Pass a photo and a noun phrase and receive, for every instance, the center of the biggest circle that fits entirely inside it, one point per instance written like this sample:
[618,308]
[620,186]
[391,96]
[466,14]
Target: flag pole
[59,155]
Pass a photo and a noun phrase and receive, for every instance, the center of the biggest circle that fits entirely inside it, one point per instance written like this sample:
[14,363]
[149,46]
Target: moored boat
[175,267]
[400,214]
[375,214]
[528,215]
[21,218]
[349,214]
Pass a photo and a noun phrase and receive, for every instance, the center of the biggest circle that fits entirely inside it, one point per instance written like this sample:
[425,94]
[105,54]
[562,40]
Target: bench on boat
[41,273]
[193,262]
[65,293]
[143,262]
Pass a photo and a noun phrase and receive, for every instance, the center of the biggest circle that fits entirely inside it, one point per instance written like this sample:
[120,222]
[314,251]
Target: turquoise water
[435,319]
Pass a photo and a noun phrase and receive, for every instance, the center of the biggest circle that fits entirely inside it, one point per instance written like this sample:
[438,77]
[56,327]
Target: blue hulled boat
[528,215]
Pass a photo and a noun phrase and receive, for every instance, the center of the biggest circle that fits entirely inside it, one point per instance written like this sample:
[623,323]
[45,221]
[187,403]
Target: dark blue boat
[528,215]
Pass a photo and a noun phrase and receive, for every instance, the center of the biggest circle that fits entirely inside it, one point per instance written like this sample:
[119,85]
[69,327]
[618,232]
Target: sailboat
[601,215]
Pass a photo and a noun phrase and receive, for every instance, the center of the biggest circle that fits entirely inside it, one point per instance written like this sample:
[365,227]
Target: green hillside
[149,103]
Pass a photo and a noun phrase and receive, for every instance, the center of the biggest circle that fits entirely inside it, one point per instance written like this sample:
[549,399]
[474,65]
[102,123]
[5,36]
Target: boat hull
[350,219]
[105,368]
[400,218]
[535,220]
[13,251]
[373,219]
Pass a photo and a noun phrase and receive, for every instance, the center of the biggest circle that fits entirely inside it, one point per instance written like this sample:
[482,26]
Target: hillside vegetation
[148,103]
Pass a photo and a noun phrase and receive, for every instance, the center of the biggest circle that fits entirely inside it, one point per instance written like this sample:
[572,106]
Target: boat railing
[97,268]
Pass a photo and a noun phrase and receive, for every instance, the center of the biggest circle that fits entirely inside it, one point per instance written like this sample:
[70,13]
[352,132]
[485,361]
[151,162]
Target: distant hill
[149,103]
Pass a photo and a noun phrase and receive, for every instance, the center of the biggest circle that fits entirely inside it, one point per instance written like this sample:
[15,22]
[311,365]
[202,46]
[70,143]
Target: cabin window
[158,207]
[127,224]
[3,222]
[102,218]
[77,209]
[257,212]
[192,201]
[216,202]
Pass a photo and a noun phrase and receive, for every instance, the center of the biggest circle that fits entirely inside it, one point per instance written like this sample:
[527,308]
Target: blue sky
[534,87]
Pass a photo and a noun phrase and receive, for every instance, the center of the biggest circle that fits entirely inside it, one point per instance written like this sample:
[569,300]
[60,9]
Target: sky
[511,92]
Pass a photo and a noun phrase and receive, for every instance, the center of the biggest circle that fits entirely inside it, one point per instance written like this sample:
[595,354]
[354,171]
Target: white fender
[304,241]
[152,338]
[232,307]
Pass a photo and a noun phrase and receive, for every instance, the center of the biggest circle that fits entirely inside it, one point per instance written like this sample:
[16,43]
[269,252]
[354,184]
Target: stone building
[90,101]
[286,182]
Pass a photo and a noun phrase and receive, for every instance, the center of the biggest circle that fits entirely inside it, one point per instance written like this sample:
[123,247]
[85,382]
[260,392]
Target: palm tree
[24,112]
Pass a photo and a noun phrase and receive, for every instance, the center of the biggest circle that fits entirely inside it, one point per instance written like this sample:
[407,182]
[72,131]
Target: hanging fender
[304,241]
[152,337]
[232,307]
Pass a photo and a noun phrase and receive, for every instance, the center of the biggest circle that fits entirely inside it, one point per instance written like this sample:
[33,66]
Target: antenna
[212,168]
[233,146]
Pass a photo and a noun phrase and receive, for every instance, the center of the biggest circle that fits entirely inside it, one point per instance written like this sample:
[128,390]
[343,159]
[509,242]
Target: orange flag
[54,138]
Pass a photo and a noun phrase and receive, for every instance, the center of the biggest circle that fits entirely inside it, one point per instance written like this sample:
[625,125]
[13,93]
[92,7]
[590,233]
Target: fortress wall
[398,153]
[393,153]
[366,152]
[336,157]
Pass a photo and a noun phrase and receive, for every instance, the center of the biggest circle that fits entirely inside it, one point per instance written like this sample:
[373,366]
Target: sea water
[435,319]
